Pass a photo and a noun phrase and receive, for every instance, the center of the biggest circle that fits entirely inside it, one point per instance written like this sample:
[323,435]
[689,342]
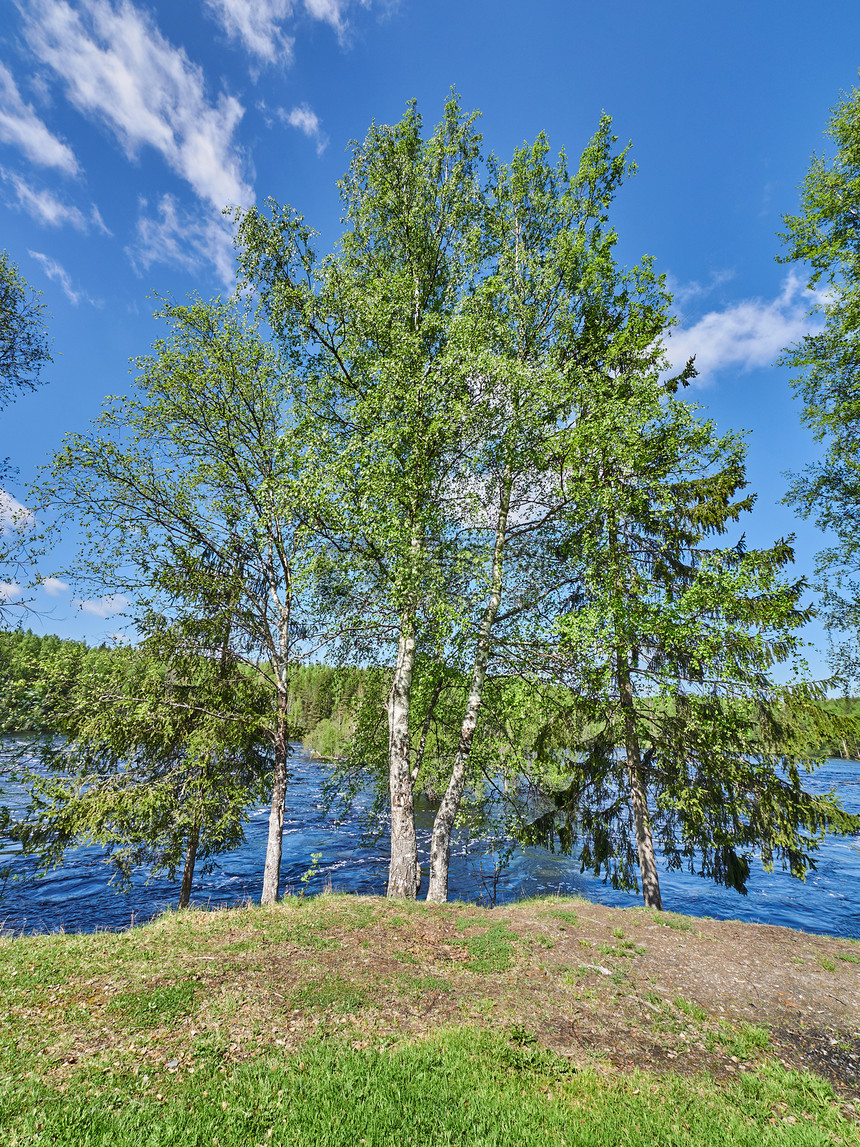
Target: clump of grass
[565,915]
[691,1009]
[849,957]
[673,921]
[743,1040]
[827,964]
[331,994]
[155,1007]
[490,951]
[421,985]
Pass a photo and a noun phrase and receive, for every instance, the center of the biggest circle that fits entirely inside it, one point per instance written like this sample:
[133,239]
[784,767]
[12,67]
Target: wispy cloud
[22,127]
[683,293]
[261,25]
[119,68]
[53,586]
[45,206]
[746,335]
[258,25]
[307,121]
[10,591]
[184,239]
[59,274]
[107,606]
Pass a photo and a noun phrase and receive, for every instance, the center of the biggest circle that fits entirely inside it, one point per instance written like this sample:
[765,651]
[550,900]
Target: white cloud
[53,586]
[59,274]
[260,24]
[184,238]
[683,292]
[118,67]
[106,606]
[257,23]
[10,591]
[307,121]
[20,126]
[13,512]
[47,208]
[747,335]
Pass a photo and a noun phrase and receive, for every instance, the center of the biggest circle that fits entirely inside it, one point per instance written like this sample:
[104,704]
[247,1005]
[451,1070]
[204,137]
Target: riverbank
[341,1018]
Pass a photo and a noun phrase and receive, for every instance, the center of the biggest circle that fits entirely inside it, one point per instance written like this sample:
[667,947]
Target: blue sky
[126,127]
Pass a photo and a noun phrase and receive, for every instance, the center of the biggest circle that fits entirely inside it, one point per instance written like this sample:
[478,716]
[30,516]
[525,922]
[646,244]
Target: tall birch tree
[374,332]
[539,311]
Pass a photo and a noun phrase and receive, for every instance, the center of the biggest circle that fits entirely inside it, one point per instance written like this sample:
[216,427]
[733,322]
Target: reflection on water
[79,897]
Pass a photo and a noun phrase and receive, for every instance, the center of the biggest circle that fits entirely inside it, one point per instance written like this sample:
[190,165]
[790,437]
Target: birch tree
[374,333]
[540,314]
[193,514]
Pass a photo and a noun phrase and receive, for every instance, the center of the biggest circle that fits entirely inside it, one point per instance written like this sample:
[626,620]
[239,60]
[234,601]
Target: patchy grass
[333,1020]
[155,1007]
[741,1040]
[491,950]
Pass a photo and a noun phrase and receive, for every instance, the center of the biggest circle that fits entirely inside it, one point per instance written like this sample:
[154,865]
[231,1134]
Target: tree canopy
[824,237]
[452,449]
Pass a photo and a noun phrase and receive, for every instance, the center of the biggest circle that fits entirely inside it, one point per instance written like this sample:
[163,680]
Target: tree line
[451,447]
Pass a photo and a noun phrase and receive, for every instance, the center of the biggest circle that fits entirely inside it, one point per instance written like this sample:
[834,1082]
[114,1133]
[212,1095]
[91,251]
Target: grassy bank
[342,1020]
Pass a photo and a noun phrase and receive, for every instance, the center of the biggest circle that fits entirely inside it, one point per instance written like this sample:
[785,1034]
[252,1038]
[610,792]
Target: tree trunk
[638,795]
[274,845]
[403,874]
[190,861]
[440,846]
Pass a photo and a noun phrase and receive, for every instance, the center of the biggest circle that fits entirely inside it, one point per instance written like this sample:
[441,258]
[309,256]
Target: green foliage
[27,668]
[149,755]
[671,647]
[23,353]
[23,343]
[823,238]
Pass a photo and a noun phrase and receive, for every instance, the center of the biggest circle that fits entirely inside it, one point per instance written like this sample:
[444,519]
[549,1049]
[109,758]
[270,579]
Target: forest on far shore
[323,699]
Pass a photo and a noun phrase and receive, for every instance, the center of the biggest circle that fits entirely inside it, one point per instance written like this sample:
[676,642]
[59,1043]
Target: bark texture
[638,795]
[274,845]
[188,872]
[403,869]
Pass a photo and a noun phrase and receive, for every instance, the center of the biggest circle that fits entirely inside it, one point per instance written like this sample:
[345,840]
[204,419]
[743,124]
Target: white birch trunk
[403,874]
[274,844]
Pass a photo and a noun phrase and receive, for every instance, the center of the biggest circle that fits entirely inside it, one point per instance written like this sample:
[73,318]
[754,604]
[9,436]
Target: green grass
[691,1009]
[563,914]
[462,1087]
[155,1007]
[826,963]
[331,993]
[491,950]
[743,1040]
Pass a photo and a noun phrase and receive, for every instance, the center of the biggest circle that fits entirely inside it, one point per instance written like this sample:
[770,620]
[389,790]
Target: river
[78,896]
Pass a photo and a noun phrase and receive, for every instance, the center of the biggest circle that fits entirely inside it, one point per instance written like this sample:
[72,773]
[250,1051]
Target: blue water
[78,896]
